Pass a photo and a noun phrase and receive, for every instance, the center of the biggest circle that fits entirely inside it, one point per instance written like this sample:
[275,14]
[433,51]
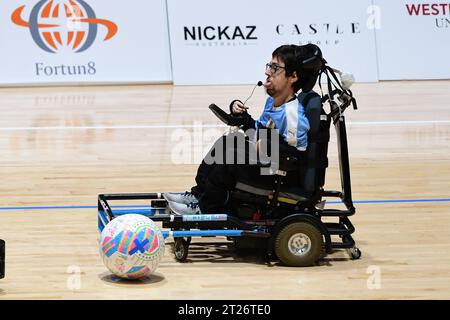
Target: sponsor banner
[229,42]
[83,41]
[413,39]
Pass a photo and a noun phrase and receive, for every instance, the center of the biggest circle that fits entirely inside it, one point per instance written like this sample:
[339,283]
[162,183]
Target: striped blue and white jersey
[290,121]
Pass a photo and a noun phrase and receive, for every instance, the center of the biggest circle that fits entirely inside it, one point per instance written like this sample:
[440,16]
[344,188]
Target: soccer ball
[131,246]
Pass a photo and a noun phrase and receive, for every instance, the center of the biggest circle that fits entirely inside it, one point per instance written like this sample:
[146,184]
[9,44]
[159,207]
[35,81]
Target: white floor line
[167,126]
[49,196]
[188,126]
[406,122]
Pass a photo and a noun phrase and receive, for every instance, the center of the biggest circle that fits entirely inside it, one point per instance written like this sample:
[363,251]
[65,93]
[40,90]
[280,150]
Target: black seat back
[318,138]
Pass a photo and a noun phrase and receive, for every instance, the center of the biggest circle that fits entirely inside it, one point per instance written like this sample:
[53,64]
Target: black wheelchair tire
[305,230]
[181,249]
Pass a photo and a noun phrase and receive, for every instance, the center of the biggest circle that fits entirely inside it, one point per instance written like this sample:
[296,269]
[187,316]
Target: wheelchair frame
[184,227]
[2,259]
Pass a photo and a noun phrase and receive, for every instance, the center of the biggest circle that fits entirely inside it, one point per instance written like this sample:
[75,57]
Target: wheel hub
[299,244]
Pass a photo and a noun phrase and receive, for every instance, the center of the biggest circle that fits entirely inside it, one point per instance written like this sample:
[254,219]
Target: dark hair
[294,58]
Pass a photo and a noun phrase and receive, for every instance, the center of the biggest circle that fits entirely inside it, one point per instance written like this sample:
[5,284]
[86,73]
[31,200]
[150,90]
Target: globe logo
[63,24]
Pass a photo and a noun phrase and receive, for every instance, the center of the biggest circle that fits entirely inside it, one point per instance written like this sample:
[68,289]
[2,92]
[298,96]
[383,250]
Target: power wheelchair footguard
[299,239]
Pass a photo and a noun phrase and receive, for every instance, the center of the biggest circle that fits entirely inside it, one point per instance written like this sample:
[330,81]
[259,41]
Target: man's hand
[238,107]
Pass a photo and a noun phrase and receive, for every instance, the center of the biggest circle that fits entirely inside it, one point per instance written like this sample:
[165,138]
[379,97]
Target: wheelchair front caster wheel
[355,253]
[181,249]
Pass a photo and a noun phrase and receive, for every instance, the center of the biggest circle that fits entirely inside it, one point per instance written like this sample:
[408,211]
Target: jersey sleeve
[264,118]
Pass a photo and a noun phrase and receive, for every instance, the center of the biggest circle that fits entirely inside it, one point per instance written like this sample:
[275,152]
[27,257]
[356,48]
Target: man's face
[276,81]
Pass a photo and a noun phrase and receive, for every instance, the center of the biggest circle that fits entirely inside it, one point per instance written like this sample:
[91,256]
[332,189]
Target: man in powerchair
[286,126]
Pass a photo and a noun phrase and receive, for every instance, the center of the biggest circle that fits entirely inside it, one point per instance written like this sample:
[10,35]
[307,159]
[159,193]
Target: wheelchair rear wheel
[299,244]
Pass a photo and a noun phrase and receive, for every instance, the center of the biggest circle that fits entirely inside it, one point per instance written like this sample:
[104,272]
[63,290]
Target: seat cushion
[290,193]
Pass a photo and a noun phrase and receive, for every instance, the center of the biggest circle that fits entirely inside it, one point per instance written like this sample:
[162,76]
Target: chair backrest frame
[318,138]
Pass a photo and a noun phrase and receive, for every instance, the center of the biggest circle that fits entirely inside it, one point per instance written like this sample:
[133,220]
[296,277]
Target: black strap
[337,85]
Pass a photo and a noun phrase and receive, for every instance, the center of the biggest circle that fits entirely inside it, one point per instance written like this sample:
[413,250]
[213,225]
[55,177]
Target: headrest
[310,57]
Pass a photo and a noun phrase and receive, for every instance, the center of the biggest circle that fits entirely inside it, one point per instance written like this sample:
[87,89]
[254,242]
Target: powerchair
[288,221]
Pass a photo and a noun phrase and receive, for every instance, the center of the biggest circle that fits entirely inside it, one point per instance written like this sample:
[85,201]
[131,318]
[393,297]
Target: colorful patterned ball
[132,246]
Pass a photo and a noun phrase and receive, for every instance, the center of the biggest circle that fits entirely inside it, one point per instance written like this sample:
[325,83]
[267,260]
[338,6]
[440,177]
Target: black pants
[216,180]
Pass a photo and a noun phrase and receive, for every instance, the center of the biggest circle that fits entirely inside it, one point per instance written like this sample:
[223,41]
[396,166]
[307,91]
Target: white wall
[373,39]
[138,52]
[413,44]
[252,29]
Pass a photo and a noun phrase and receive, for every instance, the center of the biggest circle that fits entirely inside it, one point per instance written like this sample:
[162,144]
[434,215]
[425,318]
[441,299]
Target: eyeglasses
[273,67]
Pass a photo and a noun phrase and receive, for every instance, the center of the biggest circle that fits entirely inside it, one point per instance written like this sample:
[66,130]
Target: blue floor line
[65,207]
[403,201]
[30,208]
